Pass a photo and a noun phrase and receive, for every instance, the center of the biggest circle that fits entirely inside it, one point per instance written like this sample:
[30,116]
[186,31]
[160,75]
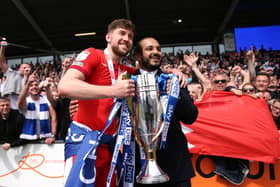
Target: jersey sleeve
[128,69]
[86,61]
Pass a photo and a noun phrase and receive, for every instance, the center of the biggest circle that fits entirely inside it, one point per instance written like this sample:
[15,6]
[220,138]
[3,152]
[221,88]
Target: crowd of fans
[254,72]
[31,108]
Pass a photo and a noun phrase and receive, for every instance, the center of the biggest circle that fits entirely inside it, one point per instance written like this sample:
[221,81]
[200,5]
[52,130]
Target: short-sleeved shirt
[13,86]
[94,113]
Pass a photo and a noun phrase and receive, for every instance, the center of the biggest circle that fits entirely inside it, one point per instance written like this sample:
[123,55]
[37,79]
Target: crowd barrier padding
[42,165]
[32,165]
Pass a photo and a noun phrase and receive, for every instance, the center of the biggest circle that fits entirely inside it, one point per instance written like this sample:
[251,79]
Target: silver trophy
[147,122]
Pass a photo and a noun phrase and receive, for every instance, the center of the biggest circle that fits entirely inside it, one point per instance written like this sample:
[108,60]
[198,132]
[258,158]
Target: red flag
[234,126]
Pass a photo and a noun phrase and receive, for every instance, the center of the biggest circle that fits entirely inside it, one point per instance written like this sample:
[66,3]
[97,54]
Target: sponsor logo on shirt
[78,63]
[82,56]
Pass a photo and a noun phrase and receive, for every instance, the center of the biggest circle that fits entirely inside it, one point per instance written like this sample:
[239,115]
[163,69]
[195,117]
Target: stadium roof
[44,26]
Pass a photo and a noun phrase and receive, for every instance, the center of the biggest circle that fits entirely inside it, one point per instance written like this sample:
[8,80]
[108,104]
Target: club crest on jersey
[82,56]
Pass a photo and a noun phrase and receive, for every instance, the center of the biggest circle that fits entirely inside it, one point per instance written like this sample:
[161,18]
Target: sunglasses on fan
[219,81]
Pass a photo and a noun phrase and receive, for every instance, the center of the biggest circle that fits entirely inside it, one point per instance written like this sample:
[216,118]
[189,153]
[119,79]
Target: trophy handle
[159,132]
[134,120]
[133,110]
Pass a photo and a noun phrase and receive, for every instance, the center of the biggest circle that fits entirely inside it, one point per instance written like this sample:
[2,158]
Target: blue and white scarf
[83,142]
[31,117]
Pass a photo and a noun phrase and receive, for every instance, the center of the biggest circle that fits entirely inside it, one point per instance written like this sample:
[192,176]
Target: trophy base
[152,174]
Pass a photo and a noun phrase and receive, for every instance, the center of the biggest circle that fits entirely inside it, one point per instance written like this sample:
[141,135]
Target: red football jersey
[94,113]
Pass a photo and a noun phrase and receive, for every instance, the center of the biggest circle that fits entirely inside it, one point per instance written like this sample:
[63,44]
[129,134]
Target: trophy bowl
[148,125]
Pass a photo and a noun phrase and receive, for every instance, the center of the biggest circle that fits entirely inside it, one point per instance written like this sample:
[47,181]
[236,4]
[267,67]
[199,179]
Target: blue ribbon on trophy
[124,140]
[168,101]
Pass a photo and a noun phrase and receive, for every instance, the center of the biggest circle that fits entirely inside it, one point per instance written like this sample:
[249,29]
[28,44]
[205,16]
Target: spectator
[275,111]
[220,82]
[239,77]
[62,103]
[40,118]
[10,125]
[249,89]
[232,169]
[204,83]
[251,58]
[195,90]
[62,113]
[14,79]
[273,86]
[262,82]
[2,83]
[166,66]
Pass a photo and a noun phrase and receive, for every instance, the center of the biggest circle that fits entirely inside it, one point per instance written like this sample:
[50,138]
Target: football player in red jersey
[93,80]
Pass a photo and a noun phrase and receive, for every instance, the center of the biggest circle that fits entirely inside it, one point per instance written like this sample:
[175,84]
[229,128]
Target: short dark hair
[263,74]
[138,47]
[4,98]
[121,23]
[276,100]
[250,84]
[220,72]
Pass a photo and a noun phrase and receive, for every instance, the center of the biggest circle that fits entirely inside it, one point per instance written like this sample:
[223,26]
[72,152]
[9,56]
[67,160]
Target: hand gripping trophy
[147,124]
